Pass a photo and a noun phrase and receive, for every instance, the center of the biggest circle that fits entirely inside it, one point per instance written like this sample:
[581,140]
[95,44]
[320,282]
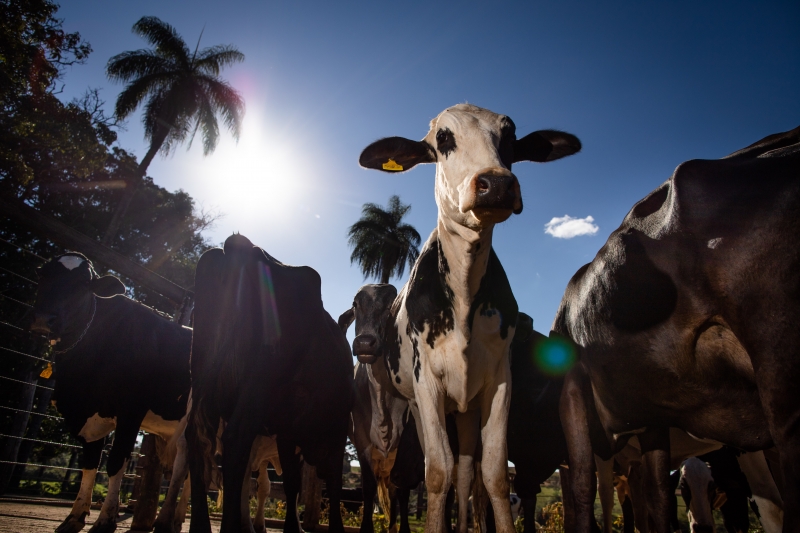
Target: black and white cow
[455,318]
[119,366]
[687,318]
[268,360]
[388,450]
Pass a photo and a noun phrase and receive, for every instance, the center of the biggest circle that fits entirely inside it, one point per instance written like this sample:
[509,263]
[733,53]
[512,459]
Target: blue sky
[644,85]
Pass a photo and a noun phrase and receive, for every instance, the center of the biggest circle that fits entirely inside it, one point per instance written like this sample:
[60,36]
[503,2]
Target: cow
[383,430]
[268,360]
[687,318]
[536,442]
[119,366]
[454,319]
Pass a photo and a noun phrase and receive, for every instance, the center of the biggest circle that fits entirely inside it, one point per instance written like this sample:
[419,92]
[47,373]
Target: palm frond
[211,60]
[134,94]
[164,37]
[226,101]
[135,64]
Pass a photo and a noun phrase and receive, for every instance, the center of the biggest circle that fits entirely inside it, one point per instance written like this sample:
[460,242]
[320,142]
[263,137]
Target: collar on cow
[86,329]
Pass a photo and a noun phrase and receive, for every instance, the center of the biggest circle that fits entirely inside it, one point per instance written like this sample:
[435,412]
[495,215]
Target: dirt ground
[37,518]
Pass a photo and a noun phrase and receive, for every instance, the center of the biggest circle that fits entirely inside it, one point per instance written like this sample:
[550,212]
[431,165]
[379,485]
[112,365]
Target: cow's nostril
[483,185]
[364,344]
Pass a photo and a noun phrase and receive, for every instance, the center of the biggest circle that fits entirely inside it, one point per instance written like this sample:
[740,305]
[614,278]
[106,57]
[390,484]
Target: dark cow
[688,318]
[268,360]
[119,366]
[454,320]
[388,449]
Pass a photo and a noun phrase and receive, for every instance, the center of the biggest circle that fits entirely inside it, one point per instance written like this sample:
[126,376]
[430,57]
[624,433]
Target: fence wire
[26,383]
[31,412]
[25,354]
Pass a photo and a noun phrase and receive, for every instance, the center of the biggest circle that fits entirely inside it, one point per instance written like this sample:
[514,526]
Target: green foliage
[382,245]
[60,159]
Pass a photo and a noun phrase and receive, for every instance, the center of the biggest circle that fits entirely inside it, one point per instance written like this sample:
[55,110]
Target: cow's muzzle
[43,323]
[497,195]
[365,348]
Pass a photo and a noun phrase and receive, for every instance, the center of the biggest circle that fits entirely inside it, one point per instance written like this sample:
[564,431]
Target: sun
[260,177]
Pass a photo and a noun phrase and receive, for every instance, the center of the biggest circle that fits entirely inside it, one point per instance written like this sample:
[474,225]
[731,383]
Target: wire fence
[37,456]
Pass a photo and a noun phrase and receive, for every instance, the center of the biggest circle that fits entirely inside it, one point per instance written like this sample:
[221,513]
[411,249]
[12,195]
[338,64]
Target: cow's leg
[765,491]
[655,464]
[494,461]
[80,508]
[627,516]
[468,425]
[333,483]
[605,479]
[169,519]
[263,494]
[392,490]
[528,515]
[290,462]
[196,434]
[124,440]
[575,420]
[237,442]
[402,501]
[438,457]
[638,498]
[369,488]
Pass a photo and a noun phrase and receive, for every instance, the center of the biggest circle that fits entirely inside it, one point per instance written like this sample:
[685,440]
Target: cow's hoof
[103,526]
[72,524]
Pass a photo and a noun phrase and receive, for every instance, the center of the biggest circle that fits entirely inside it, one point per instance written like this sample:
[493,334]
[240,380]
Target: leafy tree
[60,159]
[181,91]
[381,244]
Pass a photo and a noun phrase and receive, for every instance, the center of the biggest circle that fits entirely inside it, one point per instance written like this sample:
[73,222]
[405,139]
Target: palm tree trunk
[131,186]
[385,275]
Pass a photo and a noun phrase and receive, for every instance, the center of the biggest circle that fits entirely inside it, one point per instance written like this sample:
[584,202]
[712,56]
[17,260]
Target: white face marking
[476,133]
[71,261]
[697,476]
[97,427]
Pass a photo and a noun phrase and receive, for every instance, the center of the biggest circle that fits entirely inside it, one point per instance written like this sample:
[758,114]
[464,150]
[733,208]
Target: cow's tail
[384,496]
[205,436]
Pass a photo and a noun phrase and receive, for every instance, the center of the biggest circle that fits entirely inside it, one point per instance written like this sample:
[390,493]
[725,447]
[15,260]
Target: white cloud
[567,227]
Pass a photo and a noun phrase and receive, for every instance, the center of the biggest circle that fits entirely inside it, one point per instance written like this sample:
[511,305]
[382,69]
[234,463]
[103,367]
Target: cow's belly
[702,383]
[97,427]
[153,423]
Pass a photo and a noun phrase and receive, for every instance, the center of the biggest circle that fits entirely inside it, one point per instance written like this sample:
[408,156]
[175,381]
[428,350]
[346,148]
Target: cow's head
[372,314]
[700,494]
[67,284]
[473,149]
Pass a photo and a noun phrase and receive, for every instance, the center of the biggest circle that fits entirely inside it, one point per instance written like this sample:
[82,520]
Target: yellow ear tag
[47,372]
[392,165]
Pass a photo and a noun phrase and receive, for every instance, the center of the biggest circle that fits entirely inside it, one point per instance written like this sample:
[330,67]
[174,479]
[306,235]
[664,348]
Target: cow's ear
[345,319]
[545,145]
[107,286]
[396,154]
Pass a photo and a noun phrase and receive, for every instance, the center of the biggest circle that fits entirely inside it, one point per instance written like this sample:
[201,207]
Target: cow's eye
[445,142]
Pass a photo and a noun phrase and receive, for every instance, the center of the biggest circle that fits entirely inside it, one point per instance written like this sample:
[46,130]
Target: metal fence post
[311,497]
[149,467]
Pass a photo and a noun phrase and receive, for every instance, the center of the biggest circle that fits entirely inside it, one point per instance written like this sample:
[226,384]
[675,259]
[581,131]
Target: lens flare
[269,309]
[554,356]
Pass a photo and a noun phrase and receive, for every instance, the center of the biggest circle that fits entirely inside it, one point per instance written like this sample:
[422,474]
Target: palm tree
[381,244]
[181,91]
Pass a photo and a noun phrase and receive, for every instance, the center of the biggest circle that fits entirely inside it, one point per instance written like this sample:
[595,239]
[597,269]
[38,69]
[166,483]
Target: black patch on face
[495,296]
[430,299]
[445,142]
[508,134]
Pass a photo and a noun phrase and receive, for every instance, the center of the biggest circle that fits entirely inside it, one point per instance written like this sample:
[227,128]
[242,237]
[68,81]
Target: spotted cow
[119,366]
[454,320]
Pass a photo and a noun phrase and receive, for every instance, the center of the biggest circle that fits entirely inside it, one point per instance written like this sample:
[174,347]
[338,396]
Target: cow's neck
[467,253]
[76,321]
